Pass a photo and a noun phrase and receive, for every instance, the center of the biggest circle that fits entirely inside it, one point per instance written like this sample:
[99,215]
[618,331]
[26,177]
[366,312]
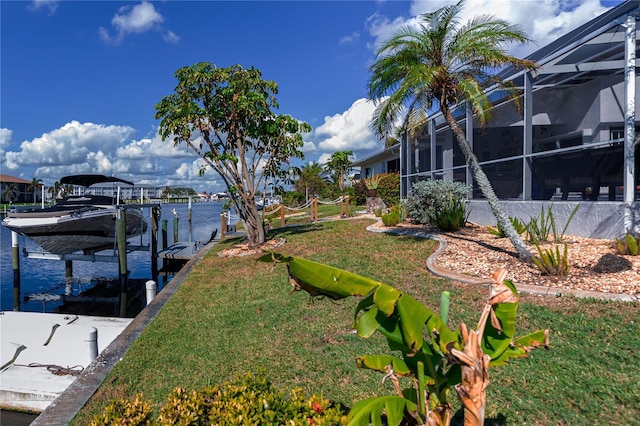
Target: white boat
[77,223]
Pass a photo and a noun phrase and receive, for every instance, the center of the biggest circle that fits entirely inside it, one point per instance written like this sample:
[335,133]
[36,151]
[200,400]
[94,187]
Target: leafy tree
[34,187]
[310,180]
[445,63]
[226,116]
[340,164]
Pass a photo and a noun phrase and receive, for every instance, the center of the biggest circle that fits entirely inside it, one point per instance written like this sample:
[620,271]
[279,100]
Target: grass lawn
[234,315]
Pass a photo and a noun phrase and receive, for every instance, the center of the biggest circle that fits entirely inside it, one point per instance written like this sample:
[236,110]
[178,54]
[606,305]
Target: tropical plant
[445,63]
[520,228]
[451,216]
[34,187]
[558,237]
[340,164]
[552,262]
[225,115]
[628,244]
[373,181]
[539,227]
[435,359]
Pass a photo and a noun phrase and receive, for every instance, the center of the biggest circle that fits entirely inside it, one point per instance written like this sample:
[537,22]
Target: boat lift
[120,250]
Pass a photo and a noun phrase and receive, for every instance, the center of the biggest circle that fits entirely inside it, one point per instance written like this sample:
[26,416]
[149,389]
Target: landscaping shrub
[628,245]
[433,201]
[360,192]
[389,188]
[247,400]
[394,216]
[452,216]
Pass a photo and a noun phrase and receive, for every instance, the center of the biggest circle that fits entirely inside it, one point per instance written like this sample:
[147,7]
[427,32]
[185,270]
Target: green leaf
[380,362]
[367,323]
[331,281]
[369,411]
[520,348]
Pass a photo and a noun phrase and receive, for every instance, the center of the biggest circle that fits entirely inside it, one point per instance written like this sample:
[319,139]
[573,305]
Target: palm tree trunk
[485,187]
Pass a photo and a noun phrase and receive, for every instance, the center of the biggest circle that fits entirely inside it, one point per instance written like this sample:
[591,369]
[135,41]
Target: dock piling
[15,254]
[175,229]
[164,234]
[151,288]
[122,257]
[92,344]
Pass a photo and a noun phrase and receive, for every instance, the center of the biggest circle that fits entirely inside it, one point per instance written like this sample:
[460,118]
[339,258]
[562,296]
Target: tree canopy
[340,164]
[226,116]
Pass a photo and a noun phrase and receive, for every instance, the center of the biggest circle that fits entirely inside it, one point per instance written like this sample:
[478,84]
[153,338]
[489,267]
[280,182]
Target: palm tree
[310,180]
[35,186]
[54,191]
[11,192]
[340,164]
[445,63]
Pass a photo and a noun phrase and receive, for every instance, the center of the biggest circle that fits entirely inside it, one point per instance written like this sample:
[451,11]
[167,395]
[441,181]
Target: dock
[42,354]
[180,251]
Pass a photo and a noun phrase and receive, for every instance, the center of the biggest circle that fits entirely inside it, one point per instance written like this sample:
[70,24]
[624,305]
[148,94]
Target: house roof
[12,179]
[391,152]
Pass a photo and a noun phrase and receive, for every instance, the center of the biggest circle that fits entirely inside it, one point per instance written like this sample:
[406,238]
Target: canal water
[42,282]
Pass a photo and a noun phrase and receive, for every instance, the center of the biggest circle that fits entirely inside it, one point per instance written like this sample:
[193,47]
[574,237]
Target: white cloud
[138,19]
[350,39]
[72,143]
[77,148]
[349,130]
[50,5]
[544,20]
[5,139]
[171,37]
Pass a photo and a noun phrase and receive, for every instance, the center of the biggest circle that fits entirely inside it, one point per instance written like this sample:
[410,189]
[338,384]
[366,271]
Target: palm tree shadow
[294,230]
[485,245]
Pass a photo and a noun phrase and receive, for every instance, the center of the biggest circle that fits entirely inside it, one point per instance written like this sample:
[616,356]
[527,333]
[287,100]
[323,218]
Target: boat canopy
[88,180]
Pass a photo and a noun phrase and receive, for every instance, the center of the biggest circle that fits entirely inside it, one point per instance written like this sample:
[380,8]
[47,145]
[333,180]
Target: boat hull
[71,231]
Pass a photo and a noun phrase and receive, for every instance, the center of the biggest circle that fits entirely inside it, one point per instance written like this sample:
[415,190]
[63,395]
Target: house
[14,189]
[571,140]
[386,161]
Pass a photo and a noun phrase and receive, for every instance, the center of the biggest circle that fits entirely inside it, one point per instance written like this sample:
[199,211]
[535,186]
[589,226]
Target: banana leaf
[369,411]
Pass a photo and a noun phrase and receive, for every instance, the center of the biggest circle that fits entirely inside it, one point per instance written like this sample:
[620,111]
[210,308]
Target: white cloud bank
[77,148]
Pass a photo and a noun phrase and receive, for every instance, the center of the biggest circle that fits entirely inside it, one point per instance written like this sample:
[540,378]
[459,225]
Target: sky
[79,79]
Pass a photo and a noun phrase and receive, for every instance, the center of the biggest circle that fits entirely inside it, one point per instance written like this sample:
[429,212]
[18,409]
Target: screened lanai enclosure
[570,137]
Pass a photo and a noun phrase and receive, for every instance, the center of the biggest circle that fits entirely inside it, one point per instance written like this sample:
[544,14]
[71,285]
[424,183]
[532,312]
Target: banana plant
[434,359]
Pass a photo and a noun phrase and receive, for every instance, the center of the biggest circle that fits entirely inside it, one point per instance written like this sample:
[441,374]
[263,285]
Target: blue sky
[79,79]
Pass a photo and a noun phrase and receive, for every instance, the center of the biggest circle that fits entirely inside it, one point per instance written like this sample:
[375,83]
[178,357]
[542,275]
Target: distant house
[15,189]
[573,138]
[386,161]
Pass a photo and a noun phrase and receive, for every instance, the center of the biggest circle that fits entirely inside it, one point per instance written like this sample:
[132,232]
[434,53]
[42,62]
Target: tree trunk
[252,221]
[487,190]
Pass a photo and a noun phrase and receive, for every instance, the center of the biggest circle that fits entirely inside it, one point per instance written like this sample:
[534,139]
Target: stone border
[65,407]
[433,267]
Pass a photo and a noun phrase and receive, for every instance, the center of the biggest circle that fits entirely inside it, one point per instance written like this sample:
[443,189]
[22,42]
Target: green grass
[234,315]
